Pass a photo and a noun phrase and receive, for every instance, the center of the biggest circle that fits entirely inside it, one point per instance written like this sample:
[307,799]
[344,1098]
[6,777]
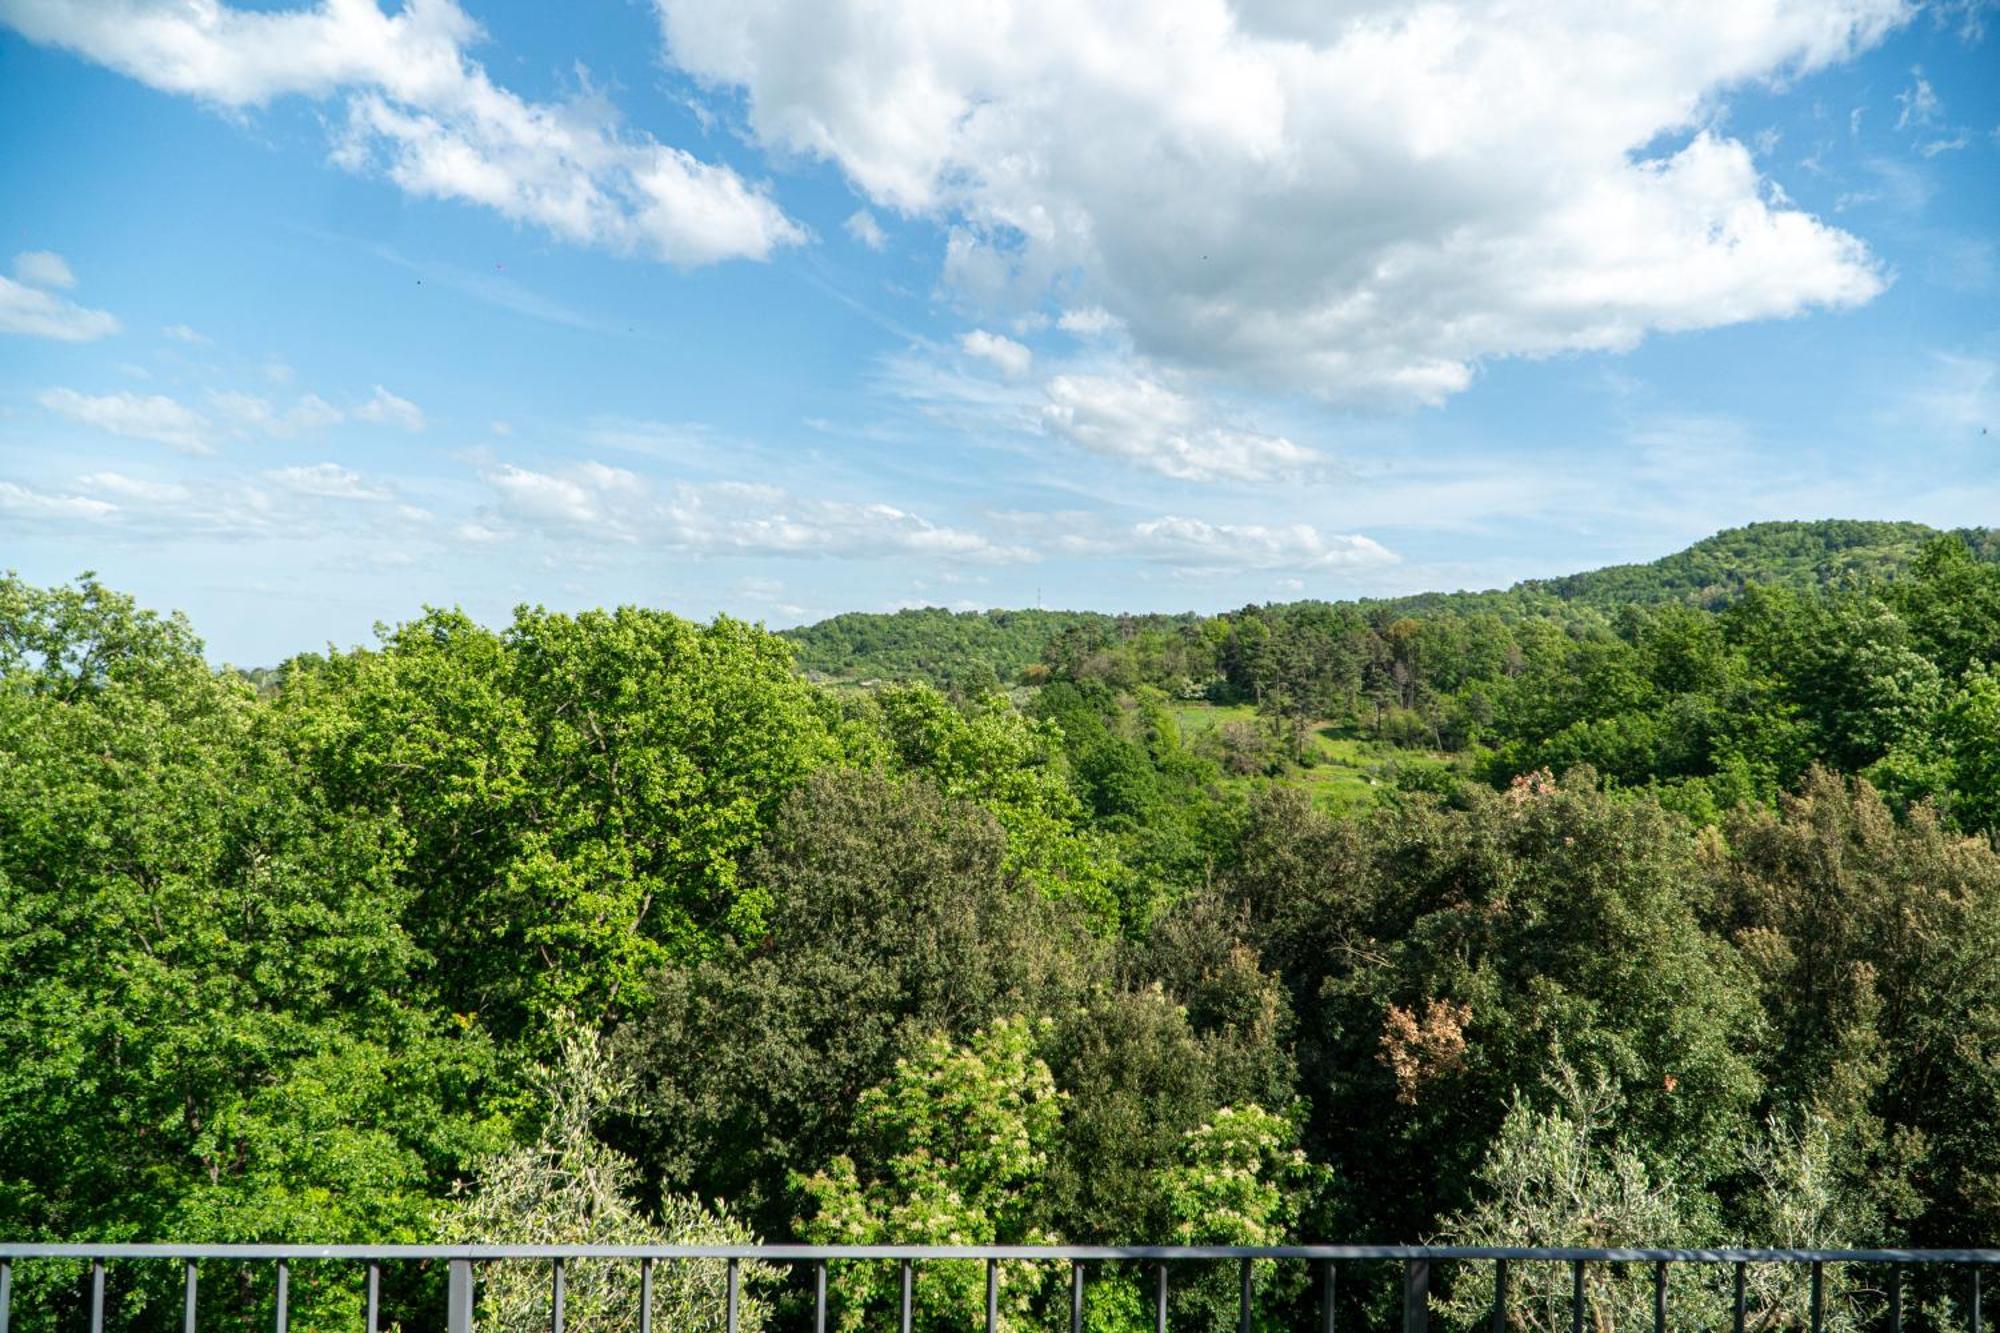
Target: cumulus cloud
[252,415]
[182,333]
[1197,547]
[415,109]
[1089,322]
[1012,359]
[329,481]
[286,504]
[154,417]
[386,408]
[1363,202]
[598,502]
[29,303]
[1141,421]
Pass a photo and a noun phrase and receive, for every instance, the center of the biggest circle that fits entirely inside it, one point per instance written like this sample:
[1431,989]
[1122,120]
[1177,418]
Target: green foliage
[575,794]
[1277,924]
[953,1149]
[570,1188]
[895,916]
[930,644]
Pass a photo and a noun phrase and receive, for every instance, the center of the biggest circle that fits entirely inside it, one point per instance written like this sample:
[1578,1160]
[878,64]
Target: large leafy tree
[215,1025]
[576,793]
[895,916]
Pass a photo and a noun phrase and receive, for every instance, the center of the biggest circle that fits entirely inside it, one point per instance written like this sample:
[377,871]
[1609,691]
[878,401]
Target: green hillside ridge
[943,646]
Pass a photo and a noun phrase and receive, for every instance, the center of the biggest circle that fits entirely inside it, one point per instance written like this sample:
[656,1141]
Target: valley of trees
[1672,916]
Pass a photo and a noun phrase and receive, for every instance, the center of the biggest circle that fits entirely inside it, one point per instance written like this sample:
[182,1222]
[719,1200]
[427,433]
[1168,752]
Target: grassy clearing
[1348,771]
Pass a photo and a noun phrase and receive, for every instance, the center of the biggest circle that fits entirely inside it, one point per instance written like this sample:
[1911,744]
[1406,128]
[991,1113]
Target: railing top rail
[1074,1253]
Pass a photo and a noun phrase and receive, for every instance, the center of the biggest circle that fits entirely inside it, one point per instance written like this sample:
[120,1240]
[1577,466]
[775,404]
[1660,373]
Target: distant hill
[934,644]
[1715,570]
[929,643]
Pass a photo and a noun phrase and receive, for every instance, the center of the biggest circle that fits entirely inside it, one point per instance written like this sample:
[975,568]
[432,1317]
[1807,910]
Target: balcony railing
[462,1263]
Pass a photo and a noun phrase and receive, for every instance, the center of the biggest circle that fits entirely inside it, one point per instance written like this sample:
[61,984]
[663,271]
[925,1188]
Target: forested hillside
[938,645]
[1668,920]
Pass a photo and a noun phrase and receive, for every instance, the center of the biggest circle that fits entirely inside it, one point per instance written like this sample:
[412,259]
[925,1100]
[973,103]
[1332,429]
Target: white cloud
[1141,421]
[31,306]
[1363,202]
[598,503]
[288,504]
[182,333]
[1919,104]
[1089,322]
[328,481]
[387,409]
[134,488]
[1011,358]
[152,417]
[863,227]
[45,269]
[21,502]
[1198,546]
[252,415]
[415,109]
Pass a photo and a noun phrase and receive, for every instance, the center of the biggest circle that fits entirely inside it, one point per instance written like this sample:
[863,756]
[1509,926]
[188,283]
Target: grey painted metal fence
[462,1262]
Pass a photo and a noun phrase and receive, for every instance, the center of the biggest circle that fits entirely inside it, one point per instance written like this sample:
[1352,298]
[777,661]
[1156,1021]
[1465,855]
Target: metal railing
[1416,1262]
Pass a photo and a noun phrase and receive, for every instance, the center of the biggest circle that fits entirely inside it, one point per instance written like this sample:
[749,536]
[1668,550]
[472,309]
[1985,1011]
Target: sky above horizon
[311,316]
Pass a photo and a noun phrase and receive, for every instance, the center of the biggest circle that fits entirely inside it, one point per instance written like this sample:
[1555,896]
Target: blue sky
[312,316]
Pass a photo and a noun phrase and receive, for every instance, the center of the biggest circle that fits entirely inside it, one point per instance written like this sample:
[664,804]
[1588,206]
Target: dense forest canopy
[1664,908]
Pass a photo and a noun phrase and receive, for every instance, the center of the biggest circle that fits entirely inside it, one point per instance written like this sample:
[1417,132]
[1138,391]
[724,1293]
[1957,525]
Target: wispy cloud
[30,303]
[153,417]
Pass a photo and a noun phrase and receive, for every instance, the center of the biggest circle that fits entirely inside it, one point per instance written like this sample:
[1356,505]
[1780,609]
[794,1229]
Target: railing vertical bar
[458,1297]
[97,1296]
[189,1279]
[1076,1297]
[1416,1296]
[1978,1315]
[909,1282]
[1742,1295]
[374,1313]
[735,1292]
[1326,1299]
[1576,1297]
[645,1296]
[1499,1296]
[1660,1297]
[283,1317]
[1818,1299]
[1243,1303]
[1160,1298]
[819,1297]
[557,1297]
[6,1292]
[1895,1299]
[992,1296]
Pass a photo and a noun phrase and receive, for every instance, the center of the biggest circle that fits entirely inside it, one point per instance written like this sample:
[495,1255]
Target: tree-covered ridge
[1716,570]
[929,643]
[615,925]
[941,646]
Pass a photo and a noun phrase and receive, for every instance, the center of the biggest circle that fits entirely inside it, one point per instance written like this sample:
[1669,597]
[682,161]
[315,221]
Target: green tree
[577,793]
[570,1188]
[952,1150]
